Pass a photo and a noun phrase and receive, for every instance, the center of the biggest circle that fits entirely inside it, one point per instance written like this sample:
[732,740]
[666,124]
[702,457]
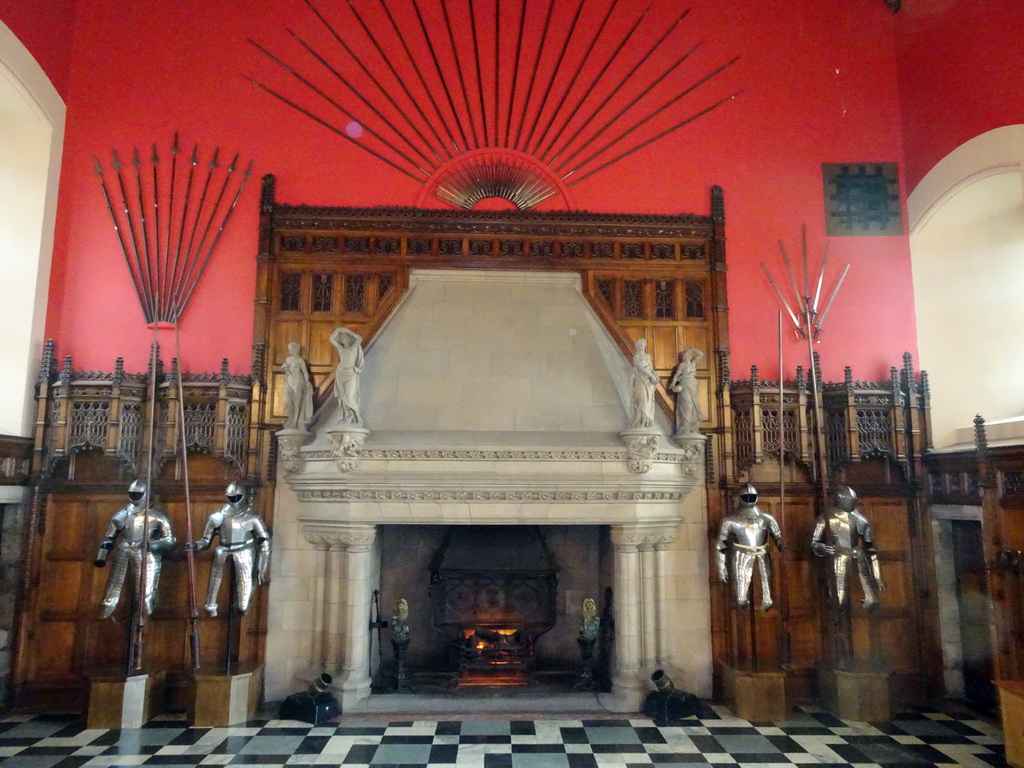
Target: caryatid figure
[245,539]
[348,345]
[844,534]
[122,546]
[746,532]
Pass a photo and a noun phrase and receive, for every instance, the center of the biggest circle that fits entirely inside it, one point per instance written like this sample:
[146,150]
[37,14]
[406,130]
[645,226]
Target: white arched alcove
[967,252]
[32,125]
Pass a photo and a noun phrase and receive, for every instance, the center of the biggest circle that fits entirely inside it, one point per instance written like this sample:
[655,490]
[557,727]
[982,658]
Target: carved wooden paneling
[67,638]
[875,437]
[645,275]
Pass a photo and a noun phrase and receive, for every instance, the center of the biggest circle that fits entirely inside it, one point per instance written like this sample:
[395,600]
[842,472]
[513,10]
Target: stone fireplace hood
[496,398]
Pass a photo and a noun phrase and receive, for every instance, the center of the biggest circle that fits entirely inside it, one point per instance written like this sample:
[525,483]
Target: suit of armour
[245,540]
[745,532]
[844,534]
[122,546]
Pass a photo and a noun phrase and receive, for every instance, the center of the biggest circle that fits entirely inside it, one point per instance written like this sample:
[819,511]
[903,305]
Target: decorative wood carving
[655,276]
[84,411]
[876,436]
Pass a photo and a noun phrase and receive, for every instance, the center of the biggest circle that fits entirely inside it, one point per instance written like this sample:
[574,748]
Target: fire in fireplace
[493,591]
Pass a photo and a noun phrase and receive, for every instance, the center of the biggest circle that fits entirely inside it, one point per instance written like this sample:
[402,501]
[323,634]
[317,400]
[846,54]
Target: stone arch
[967,252]
[32,116]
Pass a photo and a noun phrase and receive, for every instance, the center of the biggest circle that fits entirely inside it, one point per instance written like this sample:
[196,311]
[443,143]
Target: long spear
[137,162]
[154,163]
[120,236]
[650,117]
[569,85]
[216,239]
[614,91]
[190,561]
[458,68]
[398,77]
[145,297]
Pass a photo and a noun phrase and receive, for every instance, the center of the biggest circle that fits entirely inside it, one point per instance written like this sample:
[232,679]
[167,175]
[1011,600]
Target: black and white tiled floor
[912,740]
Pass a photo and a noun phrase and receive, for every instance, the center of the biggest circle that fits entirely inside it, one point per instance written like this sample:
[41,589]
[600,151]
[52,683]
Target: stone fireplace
[491,399]
[492,596]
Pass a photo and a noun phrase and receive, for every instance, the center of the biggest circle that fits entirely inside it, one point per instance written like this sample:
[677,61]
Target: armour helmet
[235,493]
[747,494]
[845,498]
[137,491]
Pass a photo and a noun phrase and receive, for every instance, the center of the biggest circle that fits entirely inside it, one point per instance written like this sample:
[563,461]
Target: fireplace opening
[578,560]
[493,592]
[495,657]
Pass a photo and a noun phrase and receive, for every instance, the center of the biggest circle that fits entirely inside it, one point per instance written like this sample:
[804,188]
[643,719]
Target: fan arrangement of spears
[808,324]
[168,225]
[503,84]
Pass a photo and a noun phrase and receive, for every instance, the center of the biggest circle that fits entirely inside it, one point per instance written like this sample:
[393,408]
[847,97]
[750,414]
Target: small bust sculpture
[346,376]
[298,392]
[641,387]
[684,383]
[400,622]
[591,621]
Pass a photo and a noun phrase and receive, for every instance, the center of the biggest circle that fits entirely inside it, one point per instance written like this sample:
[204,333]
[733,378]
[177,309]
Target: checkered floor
[914,740]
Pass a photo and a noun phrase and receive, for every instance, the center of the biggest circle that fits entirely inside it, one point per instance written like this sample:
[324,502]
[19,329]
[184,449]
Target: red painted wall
[961,71]
[817,87]
[45,28]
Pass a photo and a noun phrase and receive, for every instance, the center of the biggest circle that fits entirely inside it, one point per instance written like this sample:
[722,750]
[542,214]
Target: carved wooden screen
[656,277]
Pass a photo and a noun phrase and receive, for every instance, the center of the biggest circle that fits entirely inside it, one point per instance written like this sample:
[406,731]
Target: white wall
[32,127]
[967,250]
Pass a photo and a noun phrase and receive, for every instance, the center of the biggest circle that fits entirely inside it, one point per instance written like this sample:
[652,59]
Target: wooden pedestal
[759,695]
[222,698]
[1011,705]
[861,695]
[118,701]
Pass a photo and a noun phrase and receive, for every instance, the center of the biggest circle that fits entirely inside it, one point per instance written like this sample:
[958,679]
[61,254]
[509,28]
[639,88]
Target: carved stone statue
[245,539]
[591,624]
[641,387]
[844,534]
[298,392]
[346,375]
[745,532]
[684,383]
[400,621]
[124,538]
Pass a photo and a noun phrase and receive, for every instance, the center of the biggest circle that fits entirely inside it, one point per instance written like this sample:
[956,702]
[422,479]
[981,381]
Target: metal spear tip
[117,165]
[99,169]
[248,170]
[174,147]
[136,160]
[195,154]
[214,165]
[234,162]
[155,158]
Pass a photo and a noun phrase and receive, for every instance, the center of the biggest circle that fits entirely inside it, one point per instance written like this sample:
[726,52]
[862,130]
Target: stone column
[661,589]
[359,560]
[316,653]
[333,596]
[627,687]
[649,621]
[640,609]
